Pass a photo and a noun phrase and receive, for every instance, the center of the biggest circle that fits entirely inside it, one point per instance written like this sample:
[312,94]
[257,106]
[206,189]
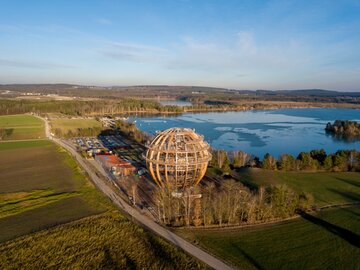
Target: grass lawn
[41,186]
[20,127]
[326,187]
[329,240]
[72,124]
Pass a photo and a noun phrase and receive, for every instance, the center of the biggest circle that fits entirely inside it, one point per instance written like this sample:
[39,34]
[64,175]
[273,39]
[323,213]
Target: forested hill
[197,95]
[71,88]
[302,92]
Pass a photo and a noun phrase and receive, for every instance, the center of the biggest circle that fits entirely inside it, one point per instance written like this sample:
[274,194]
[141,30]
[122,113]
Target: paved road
[145,221]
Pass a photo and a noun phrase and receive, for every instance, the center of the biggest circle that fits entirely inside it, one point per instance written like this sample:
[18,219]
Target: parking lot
[88,143]
[131,152]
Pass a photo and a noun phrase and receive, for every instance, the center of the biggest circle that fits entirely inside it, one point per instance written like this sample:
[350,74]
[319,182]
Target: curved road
[144,220]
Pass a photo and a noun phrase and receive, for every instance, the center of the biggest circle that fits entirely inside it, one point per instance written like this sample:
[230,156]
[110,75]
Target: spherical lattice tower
[177,158]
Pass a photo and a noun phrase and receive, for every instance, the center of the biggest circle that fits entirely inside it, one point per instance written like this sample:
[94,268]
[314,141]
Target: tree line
[79,108]
[119,106]
[130,130]
[344,130]
[231,203]
[315,160]
[93,107]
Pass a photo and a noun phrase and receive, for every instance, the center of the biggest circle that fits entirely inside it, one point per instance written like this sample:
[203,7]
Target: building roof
[113,160]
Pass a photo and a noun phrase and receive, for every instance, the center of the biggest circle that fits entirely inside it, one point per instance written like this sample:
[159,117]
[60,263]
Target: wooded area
[231,203]
[315,160]
[344,129]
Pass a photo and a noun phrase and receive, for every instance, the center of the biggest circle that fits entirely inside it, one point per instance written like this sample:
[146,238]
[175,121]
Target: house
[115,165]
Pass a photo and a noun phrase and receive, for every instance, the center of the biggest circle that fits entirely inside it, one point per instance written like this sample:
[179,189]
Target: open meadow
[66,124]
[21,127]
[327,240]
[326,187]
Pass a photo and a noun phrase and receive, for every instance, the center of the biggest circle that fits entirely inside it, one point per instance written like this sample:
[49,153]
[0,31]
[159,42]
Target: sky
[222,43]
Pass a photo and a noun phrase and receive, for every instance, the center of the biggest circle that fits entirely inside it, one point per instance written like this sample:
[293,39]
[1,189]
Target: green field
[51,216]
[41,186]
[329,240]
[21,127]
[106,241]
[65,125]
[41,166]
[326,187]
[8,145]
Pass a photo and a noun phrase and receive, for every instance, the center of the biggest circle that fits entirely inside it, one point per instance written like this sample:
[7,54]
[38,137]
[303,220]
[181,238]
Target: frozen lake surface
[260,132]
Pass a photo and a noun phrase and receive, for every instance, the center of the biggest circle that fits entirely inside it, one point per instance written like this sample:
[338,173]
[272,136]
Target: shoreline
[239,108]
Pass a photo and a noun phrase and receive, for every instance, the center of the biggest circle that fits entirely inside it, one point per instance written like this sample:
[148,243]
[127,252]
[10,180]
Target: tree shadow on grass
[346,209]
[349,181]
[161,252]
[247,256]
[347,235]
[110,263]
[349,195]
[243,175]
[353,197]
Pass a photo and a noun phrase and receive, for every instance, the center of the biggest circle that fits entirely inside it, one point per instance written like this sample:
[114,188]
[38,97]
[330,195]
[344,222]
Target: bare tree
[189,198]
[134,190]
[208,193]
[197,212]
[241,158]
[219,209]
[221,158]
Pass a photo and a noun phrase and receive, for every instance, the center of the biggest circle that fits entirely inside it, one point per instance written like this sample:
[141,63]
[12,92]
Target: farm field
[8,145]
[41,186]
[105,241]
[51,216]
[65,125]
[21,127]
[328,240]
[326,187]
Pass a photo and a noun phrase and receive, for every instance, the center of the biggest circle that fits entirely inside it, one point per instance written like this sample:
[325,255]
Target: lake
[260,132]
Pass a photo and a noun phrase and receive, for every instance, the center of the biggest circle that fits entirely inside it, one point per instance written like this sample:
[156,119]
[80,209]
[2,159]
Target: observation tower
[177,158]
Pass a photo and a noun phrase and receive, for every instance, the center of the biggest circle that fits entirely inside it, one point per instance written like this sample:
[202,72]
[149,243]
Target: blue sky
[236,44]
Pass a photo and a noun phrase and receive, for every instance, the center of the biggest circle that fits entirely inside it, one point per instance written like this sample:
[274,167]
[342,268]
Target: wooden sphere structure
[177,158]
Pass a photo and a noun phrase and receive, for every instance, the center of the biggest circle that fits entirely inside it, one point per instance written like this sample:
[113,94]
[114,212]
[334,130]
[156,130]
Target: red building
[115,165]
